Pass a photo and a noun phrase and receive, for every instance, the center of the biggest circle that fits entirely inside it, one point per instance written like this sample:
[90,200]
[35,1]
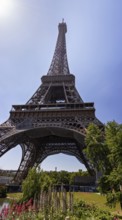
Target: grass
[14,196]
[98,200]
[91,198]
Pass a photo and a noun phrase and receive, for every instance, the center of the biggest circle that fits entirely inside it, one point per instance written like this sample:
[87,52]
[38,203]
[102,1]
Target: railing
[52,106]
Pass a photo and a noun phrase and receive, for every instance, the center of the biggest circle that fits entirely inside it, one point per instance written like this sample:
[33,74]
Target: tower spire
[59,64]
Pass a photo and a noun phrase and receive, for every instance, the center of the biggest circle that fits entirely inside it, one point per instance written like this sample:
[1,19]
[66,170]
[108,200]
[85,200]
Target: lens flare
[6,7]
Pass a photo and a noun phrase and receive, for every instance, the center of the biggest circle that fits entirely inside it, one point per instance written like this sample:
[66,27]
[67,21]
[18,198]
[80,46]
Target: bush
[3,192]
[82,210]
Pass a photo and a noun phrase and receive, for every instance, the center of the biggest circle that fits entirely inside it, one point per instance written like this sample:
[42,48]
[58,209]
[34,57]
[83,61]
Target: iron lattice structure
[54,120]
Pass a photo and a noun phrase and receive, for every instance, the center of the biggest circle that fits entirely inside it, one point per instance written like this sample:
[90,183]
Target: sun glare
[6,7]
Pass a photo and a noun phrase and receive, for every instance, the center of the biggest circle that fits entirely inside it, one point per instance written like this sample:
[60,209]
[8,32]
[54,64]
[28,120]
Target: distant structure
[6,176]
[53,121]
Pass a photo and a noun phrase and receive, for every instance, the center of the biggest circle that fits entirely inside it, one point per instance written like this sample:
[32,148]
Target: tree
[96,149]
[63,177]
[114,142]
[113,139]
[45,181]
[31,185]
[104,149]
[35,181]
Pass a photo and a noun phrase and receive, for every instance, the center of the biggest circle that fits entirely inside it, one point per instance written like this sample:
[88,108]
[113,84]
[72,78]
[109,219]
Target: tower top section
[59,64]
[62,27]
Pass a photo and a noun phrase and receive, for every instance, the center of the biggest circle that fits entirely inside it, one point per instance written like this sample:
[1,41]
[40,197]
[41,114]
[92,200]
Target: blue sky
[28,34]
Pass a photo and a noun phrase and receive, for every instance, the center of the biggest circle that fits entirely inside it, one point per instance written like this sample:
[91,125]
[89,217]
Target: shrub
[2,191]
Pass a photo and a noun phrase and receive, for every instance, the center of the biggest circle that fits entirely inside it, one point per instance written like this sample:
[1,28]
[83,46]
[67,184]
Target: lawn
[91,198]
[97,199]
[14,196]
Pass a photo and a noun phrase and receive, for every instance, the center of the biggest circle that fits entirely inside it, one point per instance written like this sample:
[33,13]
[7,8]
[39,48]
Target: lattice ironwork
[59,63]
[54,119]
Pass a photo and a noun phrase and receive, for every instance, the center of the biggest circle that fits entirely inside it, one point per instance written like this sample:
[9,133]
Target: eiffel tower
[54,119]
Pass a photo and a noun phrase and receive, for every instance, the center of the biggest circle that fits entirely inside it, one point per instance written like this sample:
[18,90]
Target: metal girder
[53,121]
[59,65]
[28,159]
[8,143]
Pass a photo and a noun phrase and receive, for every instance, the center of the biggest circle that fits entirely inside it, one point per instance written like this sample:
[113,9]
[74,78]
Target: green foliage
[31,185]
[104,149]
[45,181]
[113,139]
[63,177]
[104,185]
[96,149]
[38,180]
[83,210]
[34,183]
[94,208]
[120,198]
[112,199]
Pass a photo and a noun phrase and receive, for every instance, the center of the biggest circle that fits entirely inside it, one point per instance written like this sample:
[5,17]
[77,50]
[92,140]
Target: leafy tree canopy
[104,149]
